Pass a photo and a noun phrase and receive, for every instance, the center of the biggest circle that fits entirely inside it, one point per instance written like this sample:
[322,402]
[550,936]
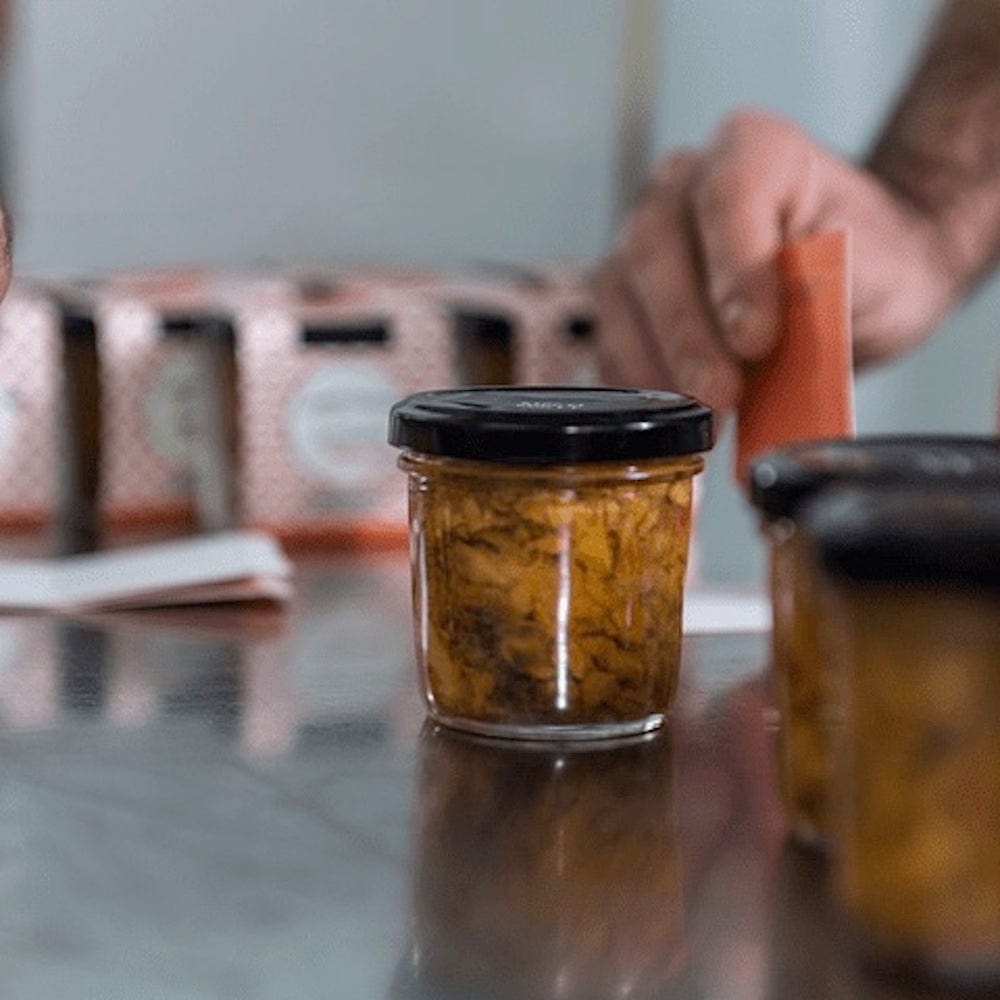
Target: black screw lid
[912,536]
[782,480]
[551,424]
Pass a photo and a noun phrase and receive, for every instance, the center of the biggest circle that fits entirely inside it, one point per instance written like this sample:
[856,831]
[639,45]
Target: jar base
[585,731]
[974,975]
[808,838]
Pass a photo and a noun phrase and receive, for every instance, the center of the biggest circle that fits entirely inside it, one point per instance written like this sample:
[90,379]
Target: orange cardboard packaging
[805,390]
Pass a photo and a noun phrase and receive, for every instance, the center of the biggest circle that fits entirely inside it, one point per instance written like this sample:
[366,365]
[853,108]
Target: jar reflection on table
[811,954]
[545,872]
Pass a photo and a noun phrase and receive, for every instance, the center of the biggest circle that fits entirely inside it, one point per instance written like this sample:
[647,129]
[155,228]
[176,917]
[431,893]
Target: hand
[5,252]
[689,298]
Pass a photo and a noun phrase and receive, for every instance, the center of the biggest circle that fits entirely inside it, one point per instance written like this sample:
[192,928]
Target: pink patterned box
[542,317]
[317,376]
[152,385]
[30,411]
[561,348]
[168,448]
[488,323]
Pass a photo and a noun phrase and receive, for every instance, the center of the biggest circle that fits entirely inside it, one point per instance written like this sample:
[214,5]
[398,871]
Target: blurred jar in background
[781,483]
[914,633]
[544,872]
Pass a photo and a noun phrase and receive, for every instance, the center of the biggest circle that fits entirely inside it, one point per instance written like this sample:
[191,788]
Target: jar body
[918,777]
[548,598]
[801,684]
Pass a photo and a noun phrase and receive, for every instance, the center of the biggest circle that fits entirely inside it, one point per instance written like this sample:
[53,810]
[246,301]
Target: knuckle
[754,133]
[745,120]
[750,122]
[720,189]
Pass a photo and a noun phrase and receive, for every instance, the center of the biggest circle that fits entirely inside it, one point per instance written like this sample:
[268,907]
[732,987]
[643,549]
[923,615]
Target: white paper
[206,569]
[708,612]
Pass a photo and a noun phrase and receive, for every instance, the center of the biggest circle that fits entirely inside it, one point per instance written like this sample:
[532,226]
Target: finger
[627,353]
[756,176]
[6,241]
[660,267]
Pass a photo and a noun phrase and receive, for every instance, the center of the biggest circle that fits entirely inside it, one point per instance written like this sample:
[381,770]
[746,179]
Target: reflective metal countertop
[248,805]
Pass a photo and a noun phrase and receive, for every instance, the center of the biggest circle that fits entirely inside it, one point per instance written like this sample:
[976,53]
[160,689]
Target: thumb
[758,175]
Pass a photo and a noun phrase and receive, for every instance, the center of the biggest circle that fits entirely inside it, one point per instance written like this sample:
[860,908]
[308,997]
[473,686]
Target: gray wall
[435,130]
[151,131]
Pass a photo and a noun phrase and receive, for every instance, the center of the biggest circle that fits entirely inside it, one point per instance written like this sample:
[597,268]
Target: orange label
[805,389]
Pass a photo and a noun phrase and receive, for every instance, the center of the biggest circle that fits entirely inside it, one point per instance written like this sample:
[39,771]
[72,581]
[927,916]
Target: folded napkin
[207,569]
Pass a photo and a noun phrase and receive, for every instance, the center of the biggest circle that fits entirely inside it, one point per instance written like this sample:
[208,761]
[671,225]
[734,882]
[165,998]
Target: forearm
[940,151]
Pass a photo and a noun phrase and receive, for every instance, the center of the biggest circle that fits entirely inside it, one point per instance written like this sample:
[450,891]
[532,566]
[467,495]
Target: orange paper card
[805,389]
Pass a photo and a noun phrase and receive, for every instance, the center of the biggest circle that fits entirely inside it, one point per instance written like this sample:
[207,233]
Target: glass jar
[544,871]
[915,638]
[549,534]
[780,483]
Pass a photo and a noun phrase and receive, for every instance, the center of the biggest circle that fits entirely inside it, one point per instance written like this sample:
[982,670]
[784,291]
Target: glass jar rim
[591,473]
[783,480]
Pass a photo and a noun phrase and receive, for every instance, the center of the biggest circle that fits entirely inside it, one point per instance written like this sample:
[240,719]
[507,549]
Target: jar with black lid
[549,536]
[780,484]
[914,633]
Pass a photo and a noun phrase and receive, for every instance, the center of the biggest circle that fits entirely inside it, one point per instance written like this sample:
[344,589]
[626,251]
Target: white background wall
[157,131]
[236,130]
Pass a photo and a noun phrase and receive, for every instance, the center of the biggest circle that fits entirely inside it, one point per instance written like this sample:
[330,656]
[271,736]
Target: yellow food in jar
[919,810]
[549,594]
